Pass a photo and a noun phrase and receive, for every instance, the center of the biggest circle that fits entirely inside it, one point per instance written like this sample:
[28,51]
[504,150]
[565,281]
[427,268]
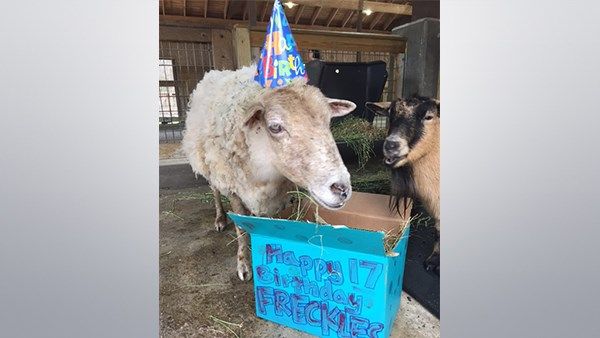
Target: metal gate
[181,66]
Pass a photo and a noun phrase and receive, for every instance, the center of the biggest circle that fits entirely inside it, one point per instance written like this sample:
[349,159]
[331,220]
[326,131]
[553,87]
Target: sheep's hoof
[244,270]
[220,224]
[432,263]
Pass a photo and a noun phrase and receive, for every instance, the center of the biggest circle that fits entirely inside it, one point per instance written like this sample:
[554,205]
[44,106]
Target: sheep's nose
[340,189]
[391,145]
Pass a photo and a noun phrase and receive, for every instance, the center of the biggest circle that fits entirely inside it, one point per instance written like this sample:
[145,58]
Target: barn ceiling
[383,14]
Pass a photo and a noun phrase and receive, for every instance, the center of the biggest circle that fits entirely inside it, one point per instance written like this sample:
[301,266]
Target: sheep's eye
[275,128]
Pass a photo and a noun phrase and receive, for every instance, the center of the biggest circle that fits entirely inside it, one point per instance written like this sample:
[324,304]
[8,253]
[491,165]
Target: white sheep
[254,145]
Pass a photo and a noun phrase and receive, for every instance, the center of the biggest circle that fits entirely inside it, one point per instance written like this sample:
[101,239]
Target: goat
[412,150]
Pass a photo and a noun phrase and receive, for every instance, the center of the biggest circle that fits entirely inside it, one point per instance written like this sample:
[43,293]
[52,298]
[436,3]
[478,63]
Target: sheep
[412,150]
[254,145]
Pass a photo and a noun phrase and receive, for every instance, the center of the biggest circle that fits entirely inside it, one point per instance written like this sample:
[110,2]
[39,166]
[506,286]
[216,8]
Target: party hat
[279,61]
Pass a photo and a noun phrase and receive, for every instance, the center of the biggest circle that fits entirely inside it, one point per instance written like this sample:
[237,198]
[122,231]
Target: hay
[359,135]
[300,205]
[392,237]
[226,325]
[376,182]
[204,197]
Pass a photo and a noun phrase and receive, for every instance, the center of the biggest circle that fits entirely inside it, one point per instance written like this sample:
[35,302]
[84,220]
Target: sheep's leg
[221,218]
[244,263]
[432,263]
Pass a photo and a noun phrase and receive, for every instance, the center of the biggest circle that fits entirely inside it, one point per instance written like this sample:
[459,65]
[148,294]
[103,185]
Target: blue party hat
[279,61]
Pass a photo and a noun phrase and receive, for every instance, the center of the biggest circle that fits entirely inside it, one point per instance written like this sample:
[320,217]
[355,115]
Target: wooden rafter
[184,7]
[315,15]
[376,20]
[163,7]
[225,8]
[202,22]
[348,19]
[298,13]
[333,14]
[264,12]
[389,22]
[205,8]
[375,6]
[378,16]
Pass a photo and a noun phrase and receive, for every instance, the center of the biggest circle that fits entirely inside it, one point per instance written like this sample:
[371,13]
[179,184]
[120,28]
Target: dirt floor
[200,293]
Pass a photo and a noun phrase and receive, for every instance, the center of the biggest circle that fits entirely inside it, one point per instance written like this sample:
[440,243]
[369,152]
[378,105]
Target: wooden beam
[184,7]
[163,7]
[347,19]
[264,12]
[201,22]
[223,55]
[359,20]
[186,34]
[205,8]
[315,15]
[377,7]
[241,45]
[298,13]
[347,41]
[333,14]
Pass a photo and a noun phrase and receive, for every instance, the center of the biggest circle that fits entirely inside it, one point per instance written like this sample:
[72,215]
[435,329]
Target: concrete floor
[200,293]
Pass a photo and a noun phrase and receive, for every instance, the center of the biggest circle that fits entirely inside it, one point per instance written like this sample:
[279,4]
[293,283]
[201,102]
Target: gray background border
[79,209]
[79,169]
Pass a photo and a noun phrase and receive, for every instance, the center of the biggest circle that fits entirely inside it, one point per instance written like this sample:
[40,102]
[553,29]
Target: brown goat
[412,150]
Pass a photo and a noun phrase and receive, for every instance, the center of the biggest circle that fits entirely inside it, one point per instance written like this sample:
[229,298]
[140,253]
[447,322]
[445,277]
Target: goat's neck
[426,175]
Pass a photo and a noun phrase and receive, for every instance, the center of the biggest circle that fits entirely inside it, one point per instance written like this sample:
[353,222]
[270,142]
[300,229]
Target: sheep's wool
[218,147]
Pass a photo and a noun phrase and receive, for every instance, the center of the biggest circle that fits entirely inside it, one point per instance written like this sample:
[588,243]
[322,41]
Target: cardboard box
[331,280]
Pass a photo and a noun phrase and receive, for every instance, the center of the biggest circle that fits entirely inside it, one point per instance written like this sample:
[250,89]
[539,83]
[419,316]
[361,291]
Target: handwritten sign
[315,296]
[324,280]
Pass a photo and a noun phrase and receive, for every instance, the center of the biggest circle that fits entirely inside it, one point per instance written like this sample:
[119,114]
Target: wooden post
[251,12]
[422,58]
[359,24]
[241,44]
[223,56]
[399,75]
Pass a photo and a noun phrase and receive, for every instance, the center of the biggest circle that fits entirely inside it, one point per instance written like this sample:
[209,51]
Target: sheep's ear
[253,115]
[340,107]
[379,108]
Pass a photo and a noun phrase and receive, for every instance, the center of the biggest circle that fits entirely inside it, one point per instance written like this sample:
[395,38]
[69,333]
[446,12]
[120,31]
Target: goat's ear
[253,116]
[379,108]
[340,107]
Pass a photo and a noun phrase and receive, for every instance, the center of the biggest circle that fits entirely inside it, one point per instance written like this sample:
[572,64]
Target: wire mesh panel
[181,65]
[394,64]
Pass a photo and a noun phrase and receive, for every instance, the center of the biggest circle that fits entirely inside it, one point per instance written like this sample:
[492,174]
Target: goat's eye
[275,128]
[428,118]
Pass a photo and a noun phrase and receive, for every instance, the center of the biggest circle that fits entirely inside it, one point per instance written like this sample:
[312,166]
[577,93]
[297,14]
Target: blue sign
[329,281]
